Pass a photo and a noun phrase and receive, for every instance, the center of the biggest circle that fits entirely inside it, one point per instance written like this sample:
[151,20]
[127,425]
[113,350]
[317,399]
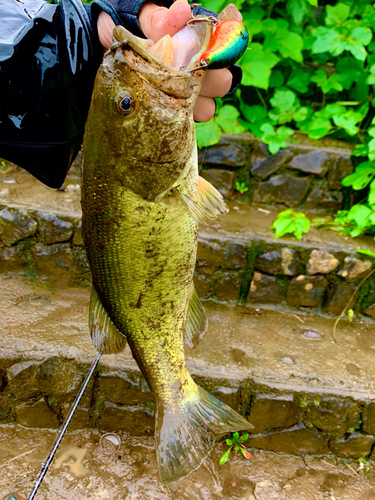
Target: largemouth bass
[141,201]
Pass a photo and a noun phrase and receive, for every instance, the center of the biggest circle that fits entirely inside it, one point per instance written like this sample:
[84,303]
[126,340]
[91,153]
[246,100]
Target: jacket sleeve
[126,13]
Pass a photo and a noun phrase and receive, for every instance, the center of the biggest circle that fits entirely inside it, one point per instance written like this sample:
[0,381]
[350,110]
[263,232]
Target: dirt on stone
[87,467]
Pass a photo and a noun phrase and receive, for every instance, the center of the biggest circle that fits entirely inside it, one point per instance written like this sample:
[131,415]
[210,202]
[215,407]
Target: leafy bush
[311,69]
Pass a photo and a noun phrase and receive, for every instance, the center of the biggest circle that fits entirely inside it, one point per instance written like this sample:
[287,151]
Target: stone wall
[297,276]
[298,422]
[305,175]
[253,271]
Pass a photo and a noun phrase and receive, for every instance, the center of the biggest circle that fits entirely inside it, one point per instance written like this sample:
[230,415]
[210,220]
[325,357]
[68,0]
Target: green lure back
[227,45]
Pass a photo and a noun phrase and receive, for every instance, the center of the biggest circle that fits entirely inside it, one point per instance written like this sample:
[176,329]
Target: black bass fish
[142,200]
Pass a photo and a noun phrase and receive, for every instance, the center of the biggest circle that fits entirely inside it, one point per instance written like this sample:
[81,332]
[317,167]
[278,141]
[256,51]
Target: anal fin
[206,205]
[105,336]
[196,322]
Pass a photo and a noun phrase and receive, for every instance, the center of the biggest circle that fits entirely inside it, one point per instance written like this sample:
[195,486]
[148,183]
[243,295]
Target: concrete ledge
[305,395]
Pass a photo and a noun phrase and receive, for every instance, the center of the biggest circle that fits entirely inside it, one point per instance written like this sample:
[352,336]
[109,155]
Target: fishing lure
[227,45]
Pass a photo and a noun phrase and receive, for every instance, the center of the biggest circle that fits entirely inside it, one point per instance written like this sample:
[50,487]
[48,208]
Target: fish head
[141,116]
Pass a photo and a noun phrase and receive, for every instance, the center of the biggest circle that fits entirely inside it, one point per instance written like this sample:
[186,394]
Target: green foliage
[225,120]
[291,222]
[364,463]
[236,443]
[309,68]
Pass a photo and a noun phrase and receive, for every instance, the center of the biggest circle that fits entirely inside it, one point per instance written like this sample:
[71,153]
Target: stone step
[307,174]
[239,263]
[305,394]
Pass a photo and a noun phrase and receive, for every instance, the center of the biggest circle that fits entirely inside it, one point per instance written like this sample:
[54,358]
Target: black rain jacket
[49,56]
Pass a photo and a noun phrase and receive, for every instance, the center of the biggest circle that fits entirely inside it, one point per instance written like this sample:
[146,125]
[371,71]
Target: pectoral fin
[206,205]
[196,321]
[105,336]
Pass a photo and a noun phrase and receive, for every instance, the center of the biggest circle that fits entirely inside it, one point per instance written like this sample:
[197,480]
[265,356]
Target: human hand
[156,22]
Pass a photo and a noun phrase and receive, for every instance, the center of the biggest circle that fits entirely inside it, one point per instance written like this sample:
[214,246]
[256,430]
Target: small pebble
[311,335]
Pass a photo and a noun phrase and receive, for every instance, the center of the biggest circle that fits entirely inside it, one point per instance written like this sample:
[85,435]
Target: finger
[156,22]
[204,109]
[105,29]
[217,83]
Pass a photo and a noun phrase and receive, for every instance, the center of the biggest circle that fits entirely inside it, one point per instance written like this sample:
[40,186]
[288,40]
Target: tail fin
[186,435]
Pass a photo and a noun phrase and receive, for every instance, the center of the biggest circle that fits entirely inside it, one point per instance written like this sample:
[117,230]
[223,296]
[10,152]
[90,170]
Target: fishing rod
[62,432]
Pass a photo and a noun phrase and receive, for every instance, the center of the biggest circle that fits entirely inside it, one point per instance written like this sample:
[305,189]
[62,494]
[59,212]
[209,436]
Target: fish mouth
[171,64]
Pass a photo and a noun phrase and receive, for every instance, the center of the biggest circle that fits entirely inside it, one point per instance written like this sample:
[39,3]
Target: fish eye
[125,104]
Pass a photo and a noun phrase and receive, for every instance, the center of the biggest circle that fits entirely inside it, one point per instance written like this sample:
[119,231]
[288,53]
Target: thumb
[156,22]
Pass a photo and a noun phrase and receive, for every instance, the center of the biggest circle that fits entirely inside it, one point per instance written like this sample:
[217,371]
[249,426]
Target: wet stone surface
[306,291]
[296,440]
[15,225]
[88,467]
[223,180]
[283,188]
[333,415]
[368,417]
[37,414]
[269,411]
[321,198]
[338,295]
[354,446]
[54,377]
[280,262]
[54,229]
[124,388]
[269,166]
[263,288]
[233,151]
[315,162]
[228,287]
[136,420]
[354,268]
[321,262]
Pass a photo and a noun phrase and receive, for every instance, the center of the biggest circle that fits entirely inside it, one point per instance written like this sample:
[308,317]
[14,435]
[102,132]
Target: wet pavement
[87,467]
[19,189]
[43,317]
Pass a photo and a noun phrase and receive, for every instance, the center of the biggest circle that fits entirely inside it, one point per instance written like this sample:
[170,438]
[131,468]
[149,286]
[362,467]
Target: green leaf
[371,195]
[224,457]
[327,83]
[257,64]
[297,9]
[229,442]
[349,69]
[361,35]
[215,5]
[244,437]
[359,215]
[237,447]
[276,79]
[316,127]
[327,40]
[276,139]
[227,119]
[363,251]
[337,14]
[348,121]
[291,222]
[361,177]
[208,133]
[236,436]
[299,80]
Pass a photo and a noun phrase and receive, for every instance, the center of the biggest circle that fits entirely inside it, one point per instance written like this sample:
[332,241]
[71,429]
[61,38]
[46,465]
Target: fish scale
[142,199]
